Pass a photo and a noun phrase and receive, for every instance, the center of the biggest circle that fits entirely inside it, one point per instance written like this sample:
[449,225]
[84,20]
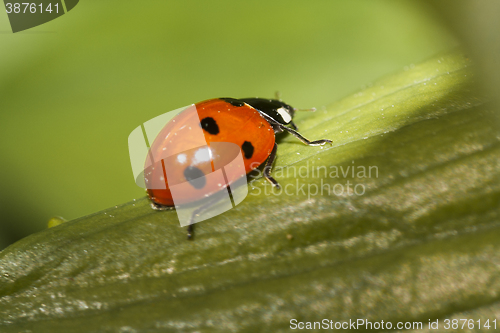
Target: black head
[277,110]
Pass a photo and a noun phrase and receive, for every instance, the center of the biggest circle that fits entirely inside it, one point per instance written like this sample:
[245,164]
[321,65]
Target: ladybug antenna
[311,109]
[277,95]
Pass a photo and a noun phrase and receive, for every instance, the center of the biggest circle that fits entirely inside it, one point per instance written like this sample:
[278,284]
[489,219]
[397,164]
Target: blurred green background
[73,89]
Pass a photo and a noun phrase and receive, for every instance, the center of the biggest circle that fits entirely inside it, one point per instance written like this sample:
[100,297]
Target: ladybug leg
[190,232]
[269,165]
[190,228]
[214,199]
[278,128]
[294,126]
[301,138]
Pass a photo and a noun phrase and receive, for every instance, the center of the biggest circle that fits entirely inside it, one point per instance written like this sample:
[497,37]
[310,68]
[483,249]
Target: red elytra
[220,122]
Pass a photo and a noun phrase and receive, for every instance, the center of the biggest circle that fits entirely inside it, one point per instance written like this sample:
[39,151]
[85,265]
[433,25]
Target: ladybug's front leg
[278,128]
[301,138]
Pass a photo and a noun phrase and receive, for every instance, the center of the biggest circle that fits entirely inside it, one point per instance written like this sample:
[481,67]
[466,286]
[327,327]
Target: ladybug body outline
[250,123]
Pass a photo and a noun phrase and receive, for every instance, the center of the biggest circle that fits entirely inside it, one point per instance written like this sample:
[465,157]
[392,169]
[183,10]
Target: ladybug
[187,150]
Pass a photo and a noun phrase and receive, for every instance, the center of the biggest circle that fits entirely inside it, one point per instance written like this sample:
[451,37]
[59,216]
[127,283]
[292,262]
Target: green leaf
[416,239]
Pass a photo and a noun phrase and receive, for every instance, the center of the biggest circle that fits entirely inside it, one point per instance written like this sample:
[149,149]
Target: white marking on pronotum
[284,114]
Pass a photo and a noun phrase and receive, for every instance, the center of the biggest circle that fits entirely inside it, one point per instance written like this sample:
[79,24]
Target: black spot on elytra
[247,149]
[233,101]
[210,125]
[195,177]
